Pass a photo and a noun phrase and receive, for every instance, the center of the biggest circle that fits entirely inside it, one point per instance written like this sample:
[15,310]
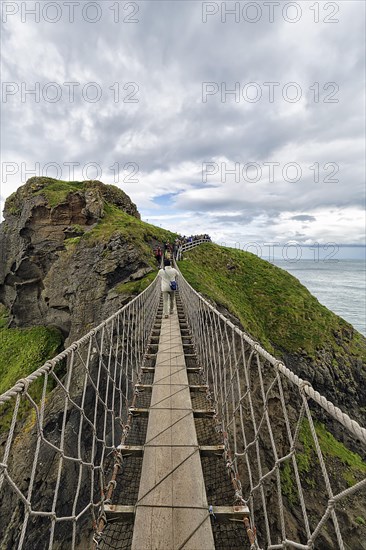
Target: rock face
[43,281]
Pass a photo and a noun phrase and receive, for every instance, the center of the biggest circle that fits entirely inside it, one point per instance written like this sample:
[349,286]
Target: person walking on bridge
[168,274]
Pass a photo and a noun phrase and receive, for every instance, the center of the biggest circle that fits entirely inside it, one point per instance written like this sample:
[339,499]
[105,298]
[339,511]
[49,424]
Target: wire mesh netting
[274,426]
[59,461]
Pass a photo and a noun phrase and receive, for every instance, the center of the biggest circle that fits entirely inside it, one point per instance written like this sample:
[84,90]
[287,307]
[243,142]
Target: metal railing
[188,246]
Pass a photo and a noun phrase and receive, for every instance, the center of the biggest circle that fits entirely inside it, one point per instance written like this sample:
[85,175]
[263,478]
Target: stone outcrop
[43,281]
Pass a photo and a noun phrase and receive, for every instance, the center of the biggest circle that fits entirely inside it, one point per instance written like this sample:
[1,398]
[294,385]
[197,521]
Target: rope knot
[238,497]
[25,383]
[303,384]
[125,430]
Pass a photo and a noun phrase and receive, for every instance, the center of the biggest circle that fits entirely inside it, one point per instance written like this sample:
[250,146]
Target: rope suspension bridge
[155,433]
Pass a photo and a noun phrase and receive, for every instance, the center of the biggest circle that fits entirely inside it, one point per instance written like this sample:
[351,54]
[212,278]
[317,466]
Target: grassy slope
[278,311]
[139,234]
[272,305]
[21,352]
[55,193]
[349,465]
[117,222]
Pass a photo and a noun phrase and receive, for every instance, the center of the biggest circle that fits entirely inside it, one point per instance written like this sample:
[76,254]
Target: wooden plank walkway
[172,510]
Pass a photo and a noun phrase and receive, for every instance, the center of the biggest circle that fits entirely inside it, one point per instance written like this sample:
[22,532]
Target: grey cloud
[169,54]
[303,218]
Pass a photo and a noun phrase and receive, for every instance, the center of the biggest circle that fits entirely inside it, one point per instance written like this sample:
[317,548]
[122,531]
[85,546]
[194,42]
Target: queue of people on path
[194,238]
[169,250]
[164,255]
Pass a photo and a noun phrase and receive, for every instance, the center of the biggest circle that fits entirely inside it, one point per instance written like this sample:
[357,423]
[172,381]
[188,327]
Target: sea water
[340,285]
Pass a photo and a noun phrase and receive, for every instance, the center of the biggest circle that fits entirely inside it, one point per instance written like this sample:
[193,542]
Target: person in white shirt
[167,274]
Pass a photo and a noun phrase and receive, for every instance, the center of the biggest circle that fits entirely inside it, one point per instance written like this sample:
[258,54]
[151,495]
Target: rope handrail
[352,426]
[264,411]
[66,422]
[23,383]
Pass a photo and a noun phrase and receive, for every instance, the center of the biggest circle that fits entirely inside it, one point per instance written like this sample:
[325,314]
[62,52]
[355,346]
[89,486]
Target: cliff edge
[66,249]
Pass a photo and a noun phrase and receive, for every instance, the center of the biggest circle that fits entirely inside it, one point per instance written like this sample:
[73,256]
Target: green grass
[272,305]
[119,222]
[72,241]
[55,192]
[136,287]
[135,232]
[331,447]
[349,465]
[22,352]
[58,192]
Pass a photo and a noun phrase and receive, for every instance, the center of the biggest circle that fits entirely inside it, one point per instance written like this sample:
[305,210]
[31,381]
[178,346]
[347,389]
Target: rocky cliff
[66,249]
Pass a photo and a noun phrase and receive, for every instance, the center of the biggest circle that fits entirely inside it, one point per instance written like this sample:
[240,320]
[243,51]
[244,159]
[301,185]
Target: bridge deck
[172,510]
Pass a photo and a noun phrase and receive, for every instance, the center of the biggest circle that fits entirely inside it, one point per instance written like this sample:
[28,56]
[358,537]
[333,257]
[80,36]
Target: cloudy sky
[241,119]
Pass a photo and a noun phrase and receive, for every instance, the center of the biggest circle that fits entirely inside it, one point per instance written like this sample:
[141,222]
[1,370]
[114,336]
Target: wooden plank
[131,450]
[204,413]
[199,387]
[223,514]
[139,412]
[172,508]
[212,450]
[120,513]
[193,370]
[226,514]
[142,387]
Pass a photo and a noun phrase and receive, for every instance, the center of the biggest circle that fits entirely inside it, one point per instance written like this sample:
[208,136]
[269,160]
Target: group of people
[194,238]
[169,250]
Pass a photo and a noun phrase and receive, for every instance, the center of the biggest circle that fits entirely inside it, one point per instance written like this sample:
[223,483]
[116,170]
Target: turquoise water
[340,285]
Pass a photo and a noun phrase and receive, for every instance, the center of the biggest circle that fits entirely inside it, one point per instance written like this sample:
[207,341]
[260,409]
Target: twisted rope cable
[246,380]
